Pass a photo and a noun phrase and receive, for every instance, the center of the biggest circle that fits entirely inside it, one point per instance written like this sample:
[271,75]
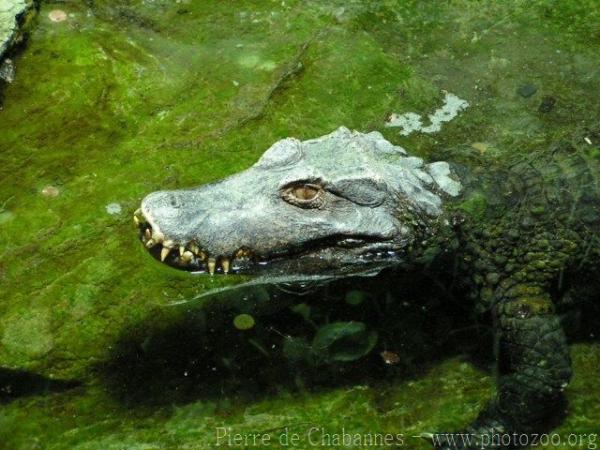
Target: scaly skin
[518,259]
[350,202]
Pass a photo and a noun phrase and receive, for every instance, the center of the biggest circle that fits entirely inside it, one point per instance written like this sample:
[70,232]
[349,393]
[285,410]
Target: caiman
[350,203]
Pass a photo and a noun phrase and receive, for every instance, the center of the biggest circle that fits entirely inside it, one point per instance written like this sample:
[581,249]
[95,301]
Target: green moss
[28,333]
[455,392]
[127,97]
[594,153]
[475,205]
[99,422]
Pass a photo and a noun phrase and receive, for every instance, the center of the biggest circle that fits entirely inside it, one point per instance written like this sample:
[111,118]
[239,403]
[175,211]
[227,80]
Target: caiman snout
[336,203]
[169,223]
[189,255]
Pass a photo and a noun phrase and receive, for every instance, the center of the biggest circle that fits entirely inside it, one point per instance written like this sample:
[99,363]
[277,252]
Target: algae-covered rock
[124,98]
[7,70]
[343,342]
[12,16]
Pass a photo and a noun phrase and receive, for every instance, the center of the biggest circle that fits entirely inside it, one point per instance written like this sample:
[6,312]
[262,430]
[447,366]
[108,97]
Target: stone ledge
[12,14]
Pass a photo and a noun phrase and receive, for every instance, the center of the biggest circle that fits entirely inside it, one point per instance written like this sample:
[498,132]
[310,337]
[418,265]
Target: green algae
[343,341]
[90,419]
[100,123]
[124,98]
[475,205]
[243,322]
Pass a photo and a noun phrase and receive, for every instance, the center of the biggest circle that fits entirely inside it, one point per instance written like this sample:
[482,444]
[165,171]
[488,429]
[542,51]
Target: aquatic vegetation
[343,341]
[355,297]
[243,322]
[352,207]
[127,97]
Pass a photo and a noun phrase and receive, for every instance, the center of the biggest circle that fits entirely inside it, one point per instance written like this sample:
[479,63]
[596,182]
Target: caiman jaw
[187,255]
[191,256]
[340,204]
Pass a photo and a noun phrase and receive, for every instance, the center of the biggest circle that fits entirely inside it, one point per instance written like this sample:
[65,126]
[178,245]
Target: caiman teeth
[194,248]
[187,256]
[164,253]
[190,255]
[225,265]
[167,246]
[138,217]
[212,263]
[242,253]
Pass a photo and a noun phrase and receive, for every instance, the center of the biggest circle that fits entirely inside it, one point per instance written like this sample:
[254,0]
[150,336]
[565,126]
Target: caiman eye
[305,192]
[304,195]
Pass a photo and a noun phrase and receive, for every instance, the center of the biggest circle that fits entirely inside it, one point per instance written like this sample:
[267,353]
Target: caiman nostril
[175,202]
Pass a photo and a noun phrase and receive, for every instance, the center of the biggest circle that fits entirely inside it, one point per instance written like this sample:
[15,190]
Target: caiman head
[341,204]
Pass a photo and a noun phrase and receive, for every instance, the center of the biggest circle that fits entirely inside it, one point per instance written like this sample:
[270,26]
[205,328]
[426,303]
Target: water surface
[127,97]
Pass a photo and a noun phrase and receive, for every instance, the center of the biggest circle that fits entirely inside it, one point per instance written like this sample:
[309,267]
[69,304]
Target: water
[100,348]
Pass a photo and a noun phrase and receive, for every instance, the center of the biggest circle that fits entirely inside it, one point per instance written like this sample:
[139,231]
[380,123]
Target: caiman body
[348,203]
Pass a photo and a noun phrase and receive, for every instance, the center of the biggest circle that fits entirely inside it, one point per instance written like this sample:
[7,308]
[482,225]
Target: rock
[12,13]
[57,15]
[390,358]
[7,70]
[340,15]
[50,191]
[526,90]
[411,122]
[113,209]
[547,104]
[481,147]
[343,342]
[492,278]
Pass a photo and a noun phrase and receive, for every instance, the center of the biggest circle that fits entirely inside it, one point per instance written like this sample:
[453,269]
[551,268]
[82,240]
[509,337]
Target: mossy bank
[124,98]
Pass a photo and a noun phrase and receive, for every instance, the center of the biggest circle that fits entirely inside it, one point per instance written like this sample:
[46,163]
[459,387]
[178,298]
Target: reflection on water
[255,340]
